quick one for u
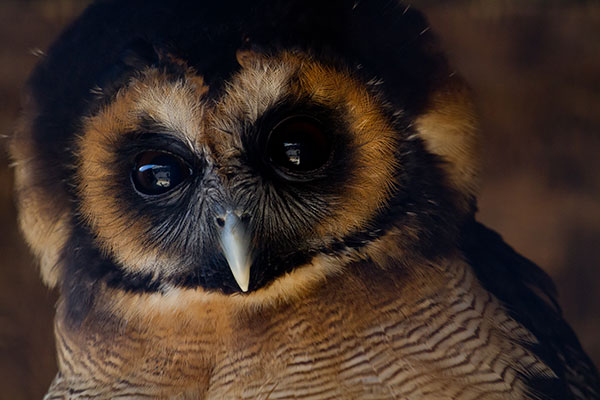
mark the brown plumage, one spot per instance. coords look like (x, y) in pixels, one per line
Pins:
(274, 200)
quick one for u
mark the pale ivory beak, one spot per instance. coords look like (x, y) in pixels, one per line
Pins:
(235, 243)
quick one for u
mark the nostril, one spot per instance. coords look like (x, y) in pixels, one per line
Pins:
(220, 221)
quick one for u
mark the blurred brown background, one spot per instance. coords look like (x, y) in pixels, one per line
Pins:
(535, 68)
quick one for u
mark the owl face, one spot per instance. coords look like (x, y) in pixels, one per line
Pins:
(230, 194)
(261, 158)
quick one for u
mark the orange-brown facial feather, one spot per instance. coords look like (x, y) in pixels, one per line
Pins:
(44, 213)
(449, 128)
(265, 81)
(373, 174)
(178, 106)
(214, 130)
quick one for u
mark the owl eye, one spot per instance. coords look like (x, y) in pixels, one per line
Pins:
(298, 144)
(157, 172)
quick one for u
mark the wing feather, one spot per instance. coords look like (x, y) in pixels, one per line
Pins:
(529, 295)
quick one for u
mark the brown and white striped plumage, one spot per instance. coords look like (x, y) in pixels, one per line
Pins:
(360, 336)
(369, 277)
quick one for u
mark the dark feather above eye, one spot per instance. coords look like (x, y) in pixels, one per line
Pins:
(135, 56)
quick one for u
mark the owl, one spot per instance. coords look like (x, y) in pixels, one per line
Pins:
(271, 200)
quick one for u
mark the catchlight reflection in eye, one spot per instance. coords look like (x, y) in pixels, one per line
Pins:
(292, 150)
(299, 144)
(157, 172)
(162, 174)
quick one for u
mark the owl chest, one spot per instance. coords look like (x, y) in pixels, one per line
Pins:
(436, 354)
(458, 343)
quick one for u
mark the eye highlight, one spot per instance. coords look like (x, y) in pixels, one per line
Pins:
(298, 145)
(157, 172)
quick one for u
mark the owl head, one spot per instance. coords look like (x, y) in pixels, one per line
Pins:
(244, 150)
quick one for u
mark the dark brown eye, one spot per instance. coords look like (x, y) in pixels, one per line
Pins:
(156, 172)
(299, 144)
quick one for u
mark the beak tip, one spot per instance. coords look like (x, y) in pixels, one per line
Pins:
(236, 248)
(242, 277)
